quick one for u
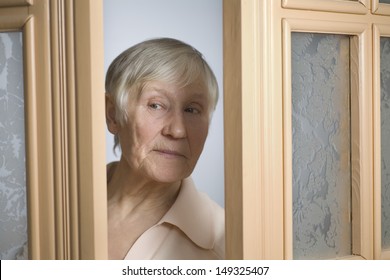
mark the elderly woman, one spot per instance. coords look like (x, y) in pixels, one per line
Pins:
(160, 96)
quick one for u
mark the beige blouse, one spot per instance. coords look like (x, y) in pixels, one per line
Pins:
(192, 229)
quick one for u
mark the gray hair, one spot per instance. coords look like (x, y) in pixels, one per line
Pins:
(162, 59)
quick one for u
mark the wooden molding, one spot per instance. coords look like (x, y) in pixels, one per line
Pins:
(380, 9)
(361, 116)
(354, 7)
(15, 3)
(233, 131)
(379, 30)
(90, 101)
(40, 183)
(253, 165)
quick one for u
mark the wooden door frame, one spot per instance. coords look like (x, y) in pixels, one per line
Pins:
(64, 101)
(253, 160)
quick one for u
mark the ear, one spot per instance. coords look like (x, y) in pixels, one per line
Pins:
(112, 123)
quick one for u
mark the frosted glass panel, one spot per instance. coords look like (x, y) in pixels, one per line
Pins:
(13, 220)
(321, 146)
(384, 1)
(385, 139)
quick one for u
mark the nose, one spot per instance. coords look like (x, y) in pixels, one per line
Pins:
(175, 126)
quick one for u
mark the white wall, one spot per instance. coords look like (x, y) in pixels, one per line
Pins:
(196, 22)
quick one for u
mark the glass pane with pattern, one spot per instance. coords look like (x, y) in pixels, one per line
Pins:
(385, 139)
(13, 213)
(321, 146)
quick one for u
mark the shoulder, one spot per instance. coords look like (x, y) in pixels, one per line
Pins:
(217, 214)
(200, 218)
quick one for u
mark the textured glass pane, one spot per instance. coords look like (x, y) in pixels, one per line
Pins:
(384, 1)
(321, 146)
(385, 139)
(13, 220)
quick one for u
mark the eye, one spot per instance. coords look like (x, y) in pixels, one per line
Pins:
(155, 106)
(192, 110)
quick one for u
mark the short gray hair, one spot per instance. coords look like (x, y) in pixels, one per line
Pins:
(162, 59)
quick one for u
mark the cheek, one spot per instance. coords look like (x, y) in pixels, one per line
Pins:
(134, 138)
(134, 147)
(144, 135)
(141, 130)
(146, 131)
(197, 136)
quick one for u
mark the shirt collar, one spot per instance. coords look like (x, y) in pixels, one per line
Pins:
(192, 214)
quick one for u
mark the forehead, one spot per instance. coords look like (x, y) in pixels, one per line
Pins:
(196, 89)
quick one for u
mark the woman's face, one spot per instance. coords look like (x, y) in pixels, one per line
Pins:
(166, 130)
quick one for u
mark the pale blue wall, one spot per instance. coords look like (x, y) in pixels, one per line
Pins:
(199, 23)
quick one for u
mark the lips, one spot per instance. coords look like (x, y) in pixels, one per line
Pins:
(169, 153)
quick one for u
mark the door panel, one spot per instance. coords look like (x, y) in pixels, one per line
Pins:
(265, 219)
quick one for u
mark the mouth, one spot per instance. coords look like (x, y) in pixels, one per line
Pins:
(169, 153)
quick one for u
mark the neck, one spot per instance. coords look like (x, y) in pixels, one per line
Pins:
(131, 195)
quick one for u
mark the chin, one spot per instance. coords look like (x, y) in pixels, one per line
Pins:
(171, 177)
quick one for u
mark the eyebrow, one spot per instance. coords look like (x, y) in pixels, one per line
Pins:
(197, 95)
(154, 88)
